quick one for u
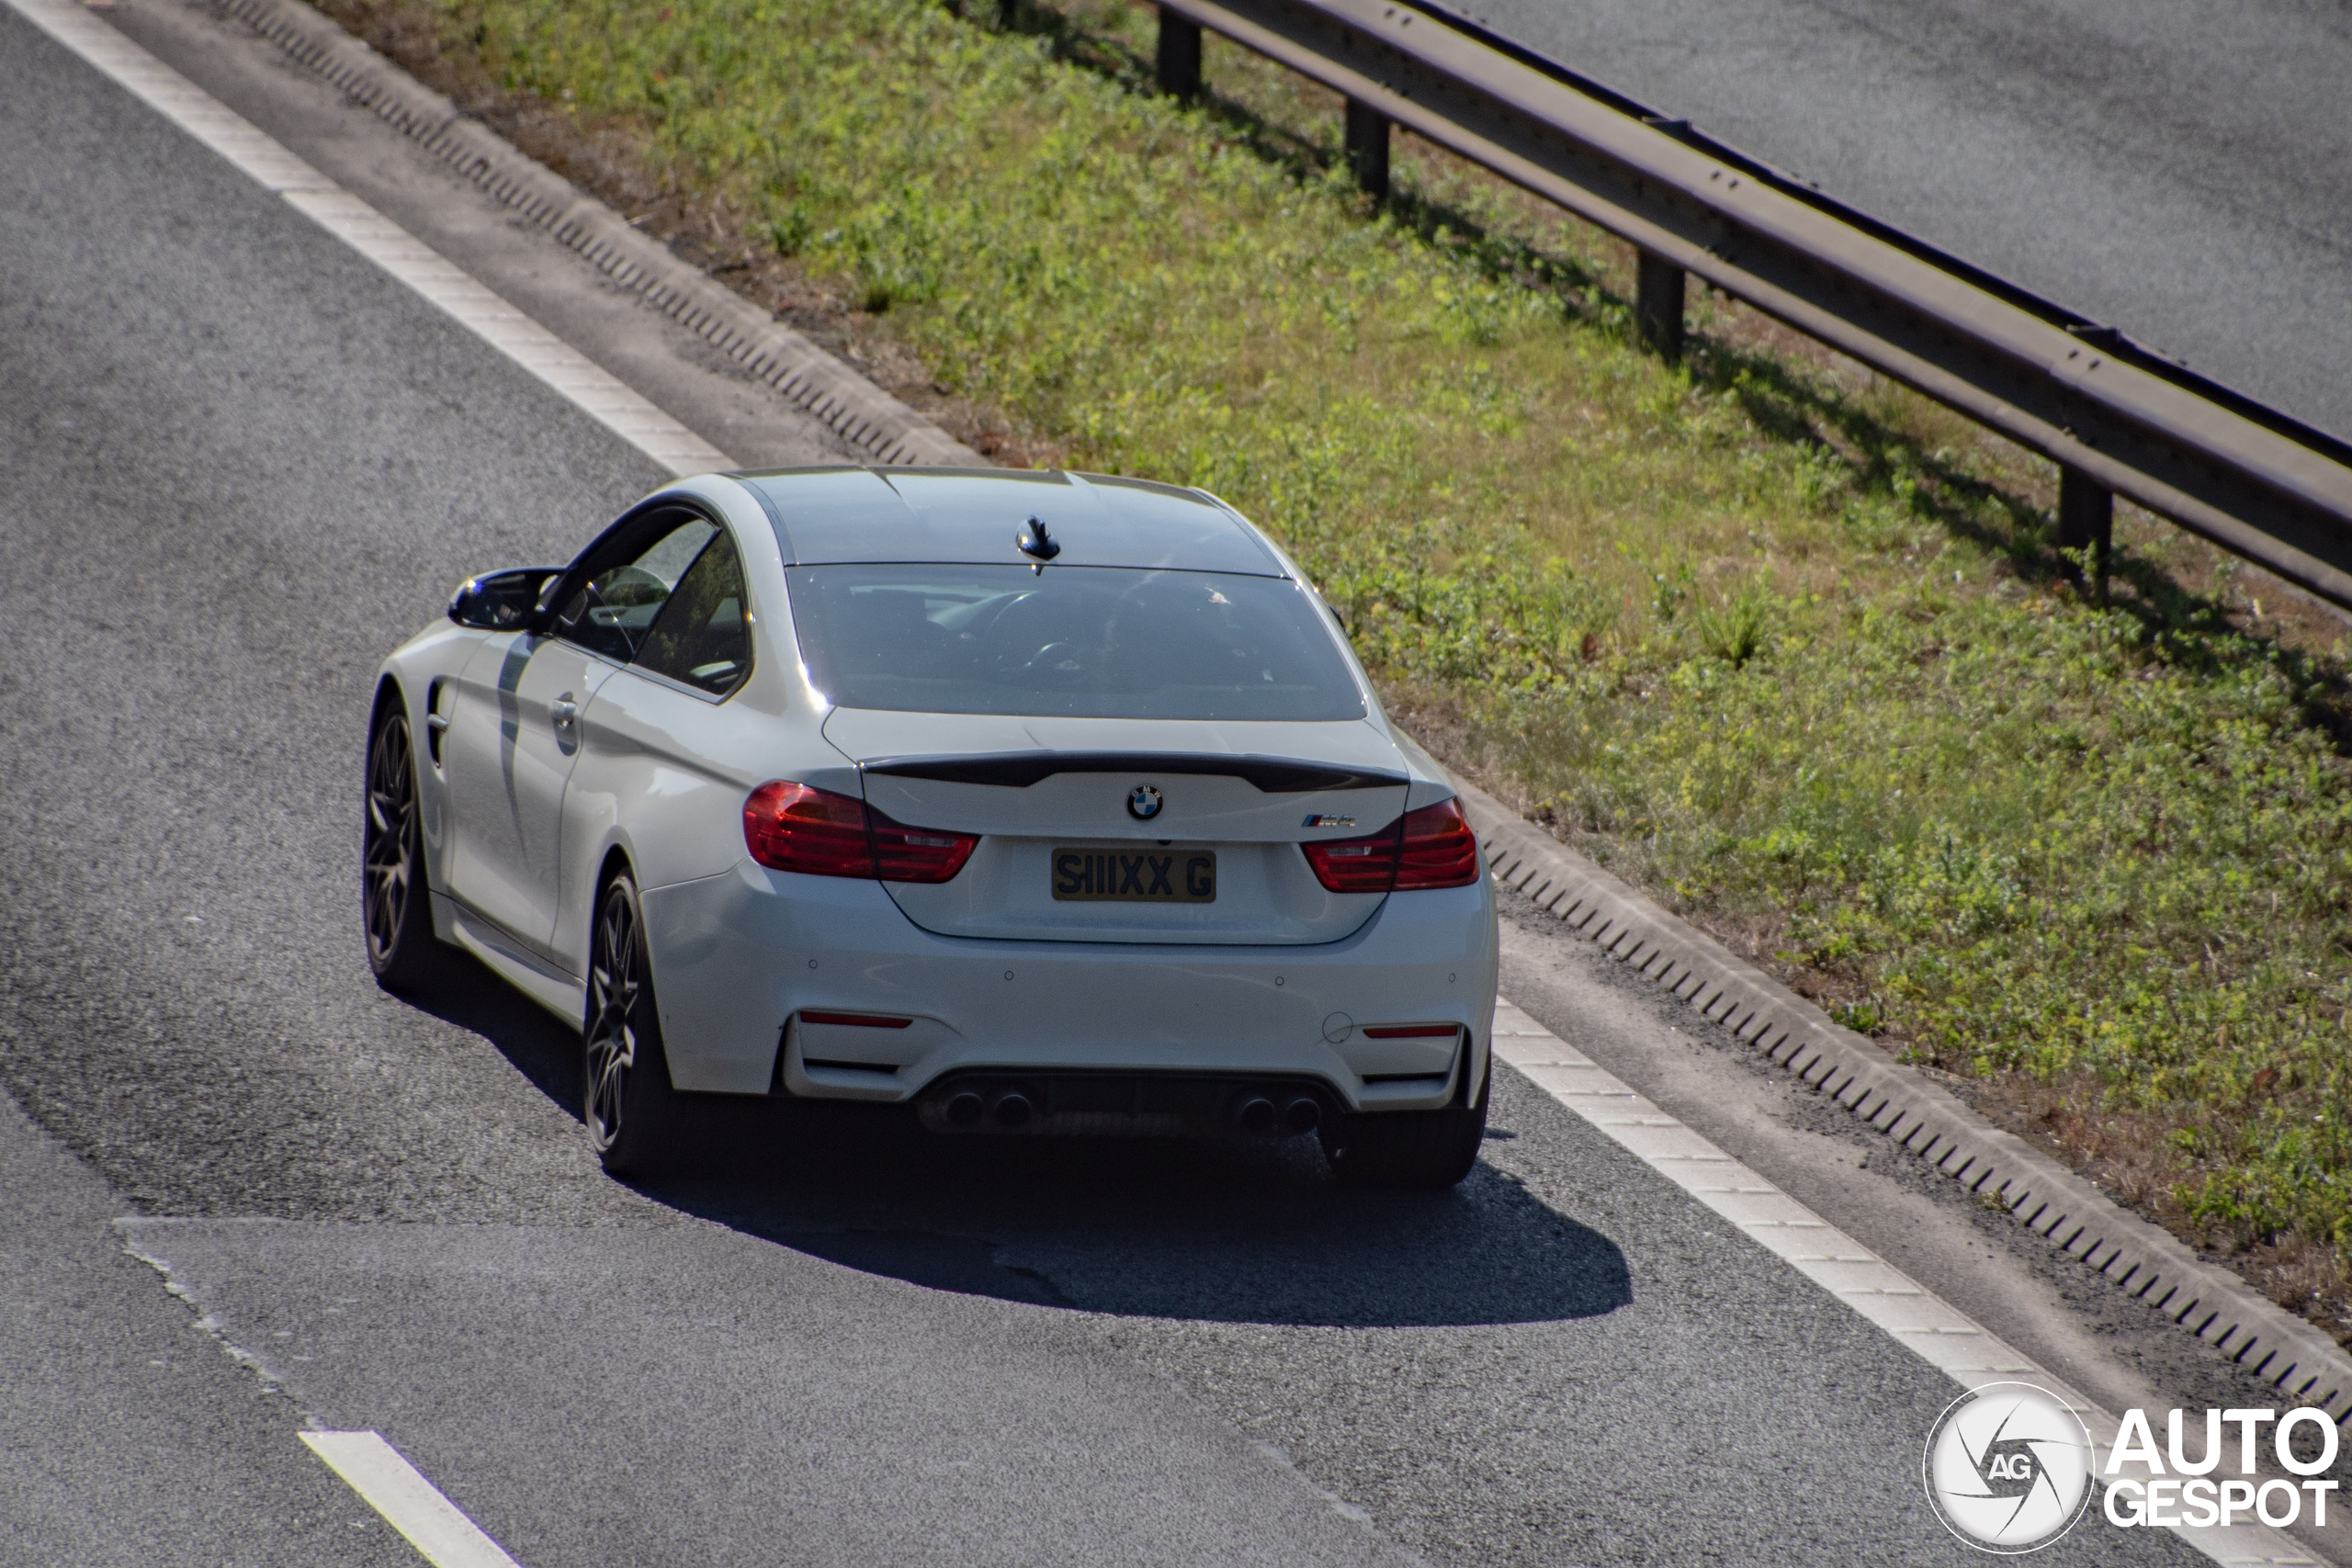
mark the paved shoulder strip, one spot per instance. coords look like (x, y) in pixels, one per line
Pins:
(409, 1504)
(365, 230)
(2141, 1258)
(1920, 1321)
(849, 404)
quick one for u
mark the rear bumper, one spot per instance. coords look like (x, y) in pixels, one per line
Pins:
(738, 957)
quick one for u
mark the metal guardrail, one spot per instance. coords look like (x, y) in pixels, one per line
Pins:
(2118, 418)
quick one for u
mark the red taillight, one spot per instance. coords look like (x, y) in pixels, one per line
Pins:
(917, 854)
(1430, 848)
(1356, 865)
(1440, 849)
(792, 827)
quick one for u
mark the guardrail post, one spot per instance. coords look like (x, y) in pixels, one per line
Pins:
(1658, 304)
(1180, 55)
(1367, 142)
(2086, 522)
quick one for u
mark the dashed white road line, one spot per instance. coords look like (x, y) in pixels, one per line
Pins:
(598, 393)
(1918, 1320)
(409, 1504)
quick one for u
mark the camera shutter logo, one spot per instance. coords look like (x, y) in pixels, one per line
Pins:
(2008, 1467)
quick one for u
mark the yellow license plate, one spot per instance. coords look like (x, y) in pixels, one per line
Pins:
(1136, 876)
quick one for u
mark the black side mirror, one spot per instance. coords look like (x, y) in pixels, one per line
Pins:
(501, 601)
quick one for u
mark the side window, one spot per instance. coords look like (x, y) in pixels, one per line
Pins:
(700, 636)
(612, 613)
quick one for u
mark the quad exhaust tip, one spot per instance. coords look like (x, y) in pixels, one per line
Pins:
(988, 1104)
(1301, 1113)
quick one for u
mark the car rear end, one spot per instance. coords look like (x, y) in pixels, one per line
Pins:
(1131, 848)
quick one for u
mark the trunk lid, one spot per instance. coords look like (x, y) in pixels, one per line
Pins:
(1050, 800)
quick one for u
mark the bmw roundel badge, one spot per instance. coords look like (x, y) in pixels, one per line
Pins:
(1142, 803)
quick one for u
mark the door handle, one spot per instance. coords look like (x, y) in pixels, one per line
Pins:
(565, 712)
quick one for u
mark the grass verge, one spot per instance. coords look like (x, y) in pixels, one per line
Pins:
(1782, 643)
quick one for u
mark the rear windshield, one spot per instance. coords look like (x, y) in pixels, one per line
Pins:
(1087, 642)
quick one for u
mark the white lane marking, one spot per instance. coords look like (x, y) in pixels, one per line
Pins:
(1916, 1319)
(409, 1504)
(588, 388)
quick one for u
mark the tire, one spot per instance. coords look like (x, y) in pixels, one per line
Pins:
(628, 1105)
(1417, 1151)
(396, 905)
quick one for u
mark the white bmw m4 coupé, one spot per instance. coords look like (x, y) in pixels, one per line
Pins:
(1036, 803)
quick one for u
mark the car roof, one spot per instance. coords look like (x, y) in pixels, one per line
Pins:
(837, 515)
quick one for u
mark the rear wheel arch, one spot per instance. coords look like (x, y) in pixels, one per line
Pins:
(583, 896)
(617, 863)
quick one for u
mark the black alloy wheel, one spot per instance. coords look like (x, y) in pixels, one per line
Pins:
(629, 1098)
(395, 902)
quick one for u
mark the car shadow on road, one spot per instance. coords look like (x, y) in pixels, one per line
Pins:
(534, 1041)
(1224, 1231)
(1218, 1230)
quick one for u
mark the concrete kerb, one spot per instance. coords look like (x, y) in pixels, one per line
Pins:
(1921, 1117)
(849, 404)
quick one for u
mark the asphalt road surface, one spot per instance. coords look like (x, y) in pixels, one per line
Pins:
(242, 464)
(2172, 167)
